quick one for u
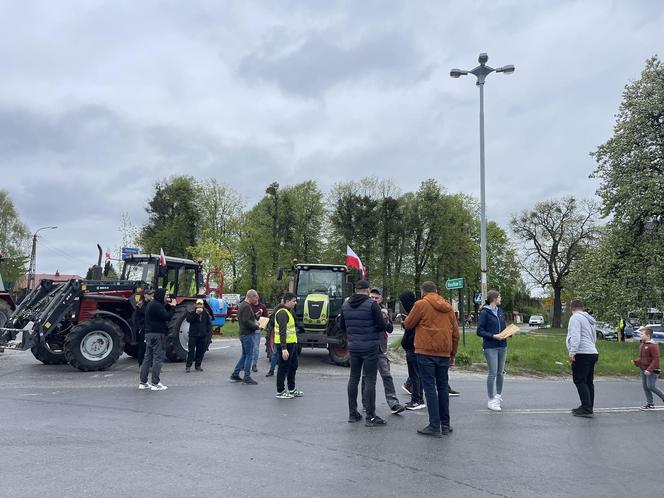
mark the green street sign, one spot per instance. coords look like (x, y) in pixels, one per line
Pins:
(455, 283)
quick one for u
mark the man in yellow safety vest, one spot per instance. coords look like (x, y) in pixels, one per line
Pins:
(285, 340)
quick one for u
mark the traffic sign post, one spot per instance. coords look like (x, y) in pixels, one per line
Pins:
(459, 283)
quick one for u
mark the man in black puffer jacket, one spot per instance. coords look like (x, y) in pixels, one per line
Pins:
(363, 321)
(157, 315)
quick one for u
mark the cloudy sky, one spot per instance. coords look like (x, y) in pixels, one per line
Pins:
(98, 100)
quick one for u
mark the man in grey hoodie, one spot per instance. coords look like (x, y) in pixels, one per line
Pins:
(583, 355)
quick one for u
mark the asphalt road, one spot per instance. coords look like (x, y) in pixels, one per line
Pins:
(68, 433)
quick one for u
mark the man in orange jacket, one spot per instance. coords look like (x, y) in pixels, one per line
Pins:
(436, 342)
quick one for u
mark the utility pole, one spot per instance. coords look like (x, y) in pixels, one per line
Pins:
(33, 257)
(481, 72)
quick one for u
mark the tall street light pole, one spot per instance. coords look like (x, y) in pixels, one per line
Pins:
(33, 256)
(481, 72)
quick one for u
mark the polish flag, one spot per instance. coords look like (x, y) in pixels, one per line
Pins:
(353, 261)
(162, 257)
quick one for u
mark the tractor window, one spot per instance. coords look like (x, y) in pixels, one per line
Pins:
(320, 282)
(143, 271)
(188, 285)
(169, 281)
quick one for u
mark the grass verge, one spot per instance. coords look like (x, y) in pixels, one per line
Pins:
(544, 353)
(230, 329)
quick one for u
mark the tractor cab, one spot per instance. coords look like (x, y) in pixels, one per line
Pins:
(182, 278)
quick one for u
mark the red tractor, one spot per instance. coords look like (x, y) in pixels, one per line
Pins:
(89, 323)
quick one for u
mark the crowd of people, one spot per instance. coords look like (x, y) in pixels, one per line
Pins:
(430, 341)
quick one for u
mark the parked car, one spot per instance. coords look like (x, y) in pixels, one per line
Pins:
(536, 321)
(657, 333)
(605, 331)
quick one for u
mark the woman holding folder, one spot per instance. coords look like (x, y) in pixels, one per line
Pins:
(490, 324)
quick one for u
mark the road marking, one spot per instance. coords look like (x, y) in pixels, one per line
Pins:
(31, 394)
(220, 347)
(554, 411)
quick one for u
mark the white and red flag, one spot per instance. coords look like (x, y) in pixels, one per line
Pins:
(162, 257)
(108, 254)
(353, 261)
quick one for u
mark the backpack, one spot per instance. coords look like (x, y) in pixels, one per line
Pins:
(269, 327)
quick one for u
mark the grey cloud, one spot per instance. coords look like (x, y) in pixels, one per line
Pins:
(322, 61)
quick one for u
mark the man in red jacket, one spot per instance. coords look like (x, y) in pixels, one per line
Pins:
(436, 342)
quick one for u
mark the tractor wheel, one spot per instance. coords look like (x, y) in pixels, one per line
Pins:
(339, 354)
(5, 313)
(94, 345)
(131, 350)
(177, 342)
(49, 352)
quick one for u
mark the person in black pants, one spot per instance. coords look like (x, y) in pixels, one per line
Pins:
(363, 321)
(583, 356)
(199, 331)
(408, 344)
(139, 324)
(285, 340)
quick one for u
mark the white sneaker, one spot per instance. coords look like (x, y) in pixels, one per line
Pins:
(144, 385)
(493, 405)
(158, 387)
(499, 400)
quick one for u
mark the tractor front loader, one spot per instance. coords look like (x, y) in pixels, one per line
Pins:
(89, 323)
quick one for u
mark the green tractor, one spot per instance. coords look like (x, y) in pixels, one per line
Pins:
(321, 290)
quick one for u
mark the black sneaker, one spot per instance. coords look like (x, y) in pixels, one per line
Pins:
(270, 373)
(254, 369)
(452, 393)
(236, 378)
(396, 409)
(407, 387)
(199, 369)
(582, 413)
(446, 429)
(430, 431)
(374, 421)
(648, 406)
(354, 417)
(249, 381)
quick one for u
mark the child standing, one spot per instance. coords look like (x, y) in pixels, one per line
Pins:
(648, 362)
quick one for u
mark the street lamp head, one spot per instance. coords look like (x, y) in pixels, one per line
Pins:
(509, 69)
(483, 58)
(456, 73)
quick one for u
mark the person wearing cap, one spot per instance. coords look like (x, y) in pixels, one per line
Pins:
(383, 360)
(200, 326)
(365, 325)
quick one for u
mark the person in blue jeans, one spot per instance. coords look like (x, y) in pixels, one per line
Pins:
(436, 343)
(490, 323)
(260, 310)
(248, 325)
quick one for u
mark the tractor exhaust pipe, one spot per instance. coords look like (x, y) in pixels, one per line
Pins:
(96, 269)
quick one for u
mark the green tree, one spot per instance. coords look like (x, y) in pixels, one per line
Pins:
(554, 235)
(173, 217)
(220, 223)
(303, 221)
(623, 273)
(14, 241)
